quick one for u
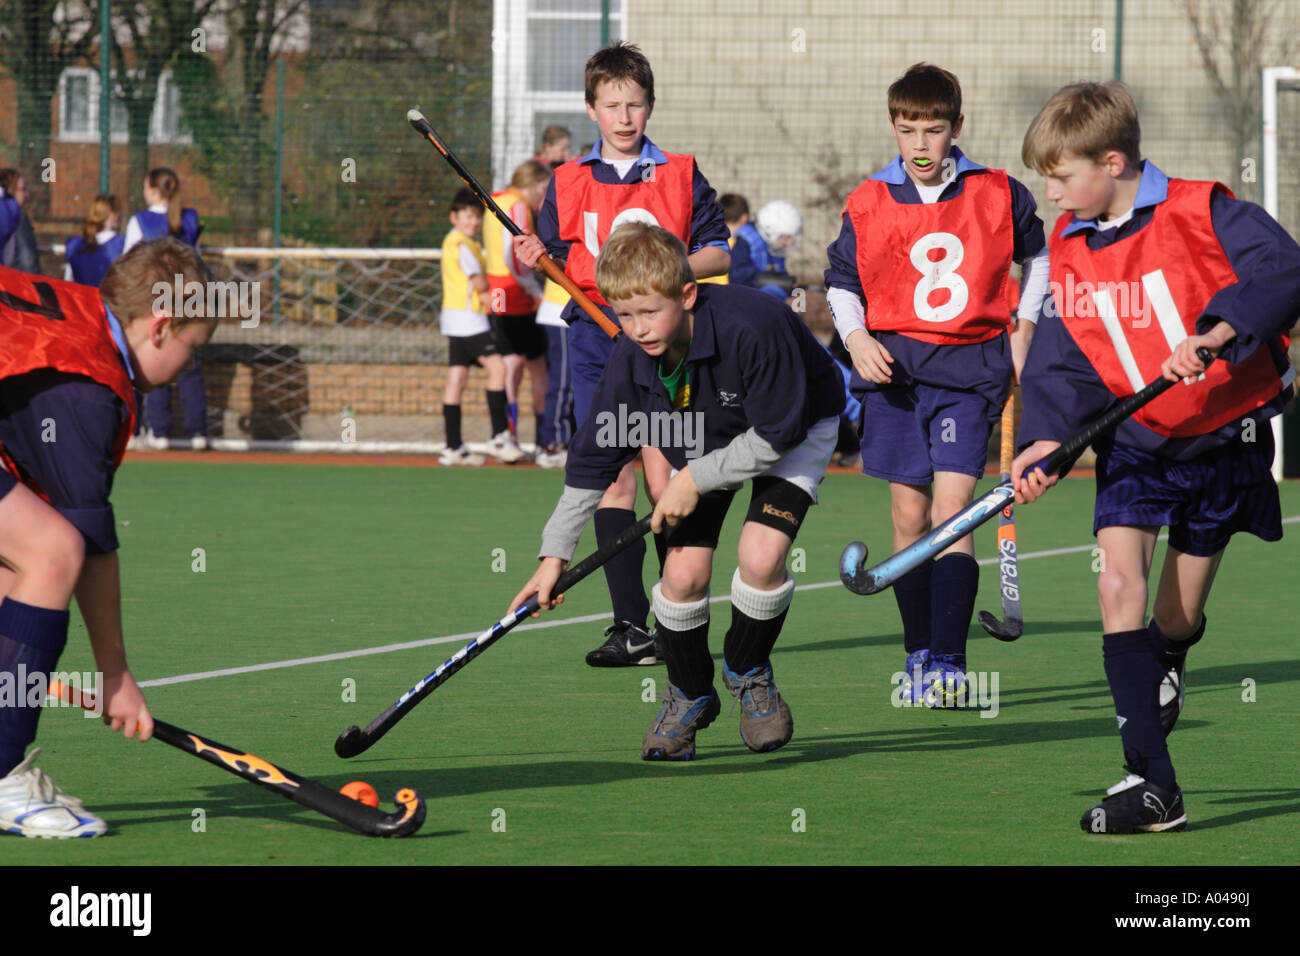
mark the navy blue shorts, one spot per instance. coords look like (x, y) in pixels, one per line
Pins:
(1203, 502)
(911, 432)
(589, 350)
(7, 482)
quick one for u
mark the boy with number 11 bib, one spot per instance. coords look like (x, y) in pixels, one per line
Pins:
(918, 286)
(1146, 270)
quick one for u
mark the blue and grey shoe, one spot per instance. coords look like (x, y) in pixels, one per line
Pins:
(672, 735)
(912, 683)
(945, 683)
(765, 721)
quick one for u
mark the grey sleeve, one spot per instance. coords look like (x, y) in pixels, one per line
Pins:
(743, 457)
(571, 514)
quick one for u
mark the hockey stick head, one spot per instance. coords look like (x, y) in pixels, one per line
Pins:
(408, 818)
(853, 570)
(1008, 630)
(351, 742)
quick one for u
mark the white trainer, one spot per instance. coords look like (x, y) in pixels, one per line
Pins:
(553, 457)
(32, 805)
(504, 448)
(460, 456)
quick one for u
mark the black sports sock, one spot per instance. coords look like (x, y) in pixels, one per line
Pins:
(912, 592)
(1171, 652)
(953, 586)
(451, 418)
(1134, 675)
(31, 640)
(686, 654)
(500, 418)
(623, 571)
(682, 642)
(749, 642)
(537, 429)
(756, 620)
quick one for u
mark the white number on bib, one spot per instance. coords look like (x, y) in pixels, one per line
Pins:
(939, 274)
(590, 234)
(1162, 304)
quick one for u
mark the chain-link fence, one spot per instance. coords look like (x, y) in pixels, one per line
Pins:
(286, 123)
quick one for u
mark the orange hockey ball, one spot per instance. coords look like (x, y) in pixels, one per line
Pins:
(362, 791)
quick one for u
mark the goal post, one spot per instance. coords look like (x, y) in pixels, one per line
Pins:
(1277, 80)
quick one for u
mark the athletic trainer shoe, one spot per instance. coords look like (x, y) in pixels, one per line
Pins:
(461, 455)
(672, 735)
(31, 805)
(1134, 805)
(504, 448)
(552, 456)
(626, 645)
(912, 684)
(765, 721)
(1172, 691)
(945, 683)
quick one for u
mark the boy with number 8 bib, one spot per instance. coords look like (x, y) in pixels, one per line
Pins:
(737, 388)
(918, 284)
(1145, 271)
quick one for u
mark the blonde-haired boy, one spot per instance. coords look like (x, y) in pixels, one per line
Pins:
(730, 385)
(1146, 270)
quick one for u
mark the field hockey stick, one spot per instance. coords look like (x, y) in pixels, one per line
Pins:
(1012, 624)
(862, 580)
(315, 796)
(354, 740)
(422, 126)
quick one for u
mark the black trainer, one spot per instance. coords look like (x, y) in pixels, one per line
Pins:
(1135, 805)
(626, 645)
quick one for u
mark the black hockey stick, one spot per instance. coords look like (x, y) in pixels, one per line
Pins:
(1012, 624)
(549, 266)
(863, 580)
(354, 740)
(303, 790)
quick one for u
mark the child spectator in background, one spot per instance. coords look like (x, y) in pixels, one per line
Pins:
(514, 292)
(94, 249)
(556, 148)
(18, 251)
(464, 321)
(167, 217)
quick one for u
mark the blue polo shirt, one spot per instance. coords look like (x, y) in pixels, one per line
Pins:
(89, 265)
(9, 213)
(1062, 391)
(752, 364)
(708, 225)
(984, 367)
(153, 225)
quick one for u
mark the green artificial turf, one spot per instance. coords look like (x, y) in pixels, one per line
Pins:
(528, 756)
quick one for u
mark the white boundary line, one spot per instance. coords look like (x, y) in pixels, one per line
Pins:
(467, 636)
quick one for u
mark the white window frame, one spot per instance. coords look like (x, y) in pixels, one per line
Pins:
(514, 105)
(157, 135)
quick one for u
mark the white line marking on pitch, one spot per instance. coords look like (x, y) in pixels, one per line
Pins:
(467, 636)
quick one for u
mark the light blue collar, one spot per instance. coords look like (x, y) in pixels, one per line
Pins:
(119, 339)
(650, 153)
